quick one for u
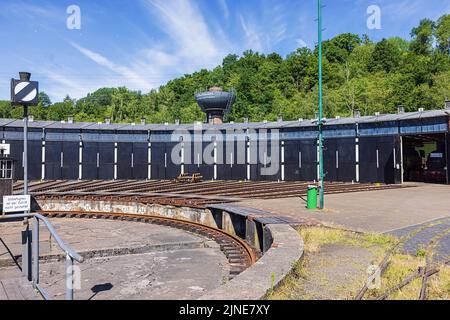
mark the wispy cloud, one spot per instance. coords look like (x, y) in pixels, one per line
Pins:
(402, 9)
(224, 6)
(60, 84)
(301, 43)
(184, 24)
(266, 28)
(253, 39)
(27, 10)
(193, 45)
(127, 73)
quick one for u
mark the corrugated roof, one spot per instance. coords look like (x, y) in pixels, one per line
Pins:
(69, 126)
(252, 125)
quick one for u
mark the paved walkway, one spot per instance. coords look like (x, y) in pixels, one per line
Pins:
(420, 236)
(375, 211)
(422, 211)
(15, 286)
(125, 260)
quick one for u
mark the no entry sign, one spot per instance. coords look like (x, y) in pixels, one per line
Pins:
(24, 92)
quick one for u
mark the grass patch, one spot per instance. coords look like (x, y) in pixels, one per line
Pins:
(315, 237)
(290, 289)
(400, 267)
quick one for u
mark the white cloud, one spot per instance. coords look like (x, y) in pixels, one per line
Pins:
(301, 43)
(191, 37)
(224, 6)
(252, 35)
(130, 75)
(62, 84)
(193, 46)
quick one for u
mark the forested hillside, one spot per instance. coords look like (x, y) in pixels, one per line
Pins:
(358, 74)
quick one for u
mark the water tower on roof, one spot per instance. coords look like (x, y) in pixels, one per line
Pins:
(216, 103)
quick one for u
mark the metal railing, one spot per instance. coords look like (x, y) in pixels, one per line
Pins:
(71, 255)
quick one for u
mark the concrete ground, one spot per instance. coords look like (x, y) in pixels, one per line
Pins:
(167, 263)
(374, 211)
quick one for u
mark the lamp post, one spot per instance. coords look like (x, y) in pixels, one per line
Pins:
(320, 119)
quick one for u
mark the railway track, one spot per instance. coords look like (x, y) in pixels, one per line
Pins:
(239, 253)
(431, 267)
(230, 189)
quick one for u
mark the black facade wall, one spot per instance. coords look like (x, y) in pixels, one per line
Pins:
(89, 161)
(232, 167)
(34, 158)
(330, 147)
(386, 171)
(304, 169)
(53, 150)
(448, 155)
(268, 167)
(140, 157)
(157, 161)
(388, 146)
(124, 154)
(16, 152)
(206, 170)
(106, 160)
(71, 158)
(191, 158)
(162, 165)
(340, 159)
(173, 169)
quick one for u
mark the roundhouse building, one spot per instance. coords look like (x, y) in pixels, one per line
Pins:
(387, 149)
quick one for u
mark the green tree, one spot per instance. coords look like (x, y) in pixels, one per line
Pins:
(442, 33)
(385, 57)
(422, 42)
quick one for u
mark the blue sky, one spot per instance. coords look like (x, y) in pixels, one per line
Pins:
(142, 44)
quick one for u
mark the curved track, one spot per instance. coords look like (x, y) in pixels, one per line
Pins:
(239, 254)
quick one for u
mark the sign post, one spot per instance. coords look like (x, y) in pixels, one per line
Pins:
(25, 93)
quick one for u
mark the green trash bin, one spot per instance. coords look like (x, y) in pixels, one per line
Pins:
(312, 198)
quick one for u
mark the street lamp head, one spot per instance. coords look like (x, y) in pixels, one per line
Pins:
(24, 76)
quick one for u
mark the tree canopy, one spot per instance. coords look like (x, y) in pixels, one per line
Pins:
(358, 74)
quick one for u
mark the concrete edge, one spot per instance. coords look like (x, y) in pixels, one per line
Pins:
(280, 243)
(255, 282)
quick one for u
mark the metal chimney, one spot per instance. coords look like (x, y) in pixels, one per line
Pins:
(356, 113)
(447, 104)
(70, 120)
(143, 121)
(108, 120)
(401, 109)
